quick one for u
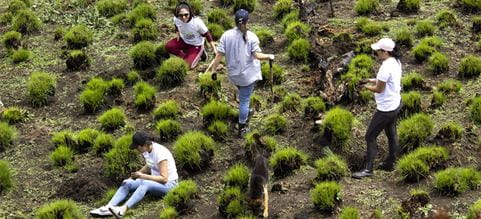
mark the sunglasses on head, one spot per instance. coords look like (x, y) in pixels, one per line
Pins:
(184, 15)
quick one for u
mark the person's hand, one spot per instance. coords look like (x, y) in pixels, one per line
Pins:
(271, 56)
(136, 175)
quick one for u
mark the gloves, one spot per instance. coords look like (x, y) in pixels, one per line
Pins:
(271, 56)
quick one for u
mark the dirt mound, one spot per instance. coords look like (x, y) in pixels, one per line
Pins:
(86, 186)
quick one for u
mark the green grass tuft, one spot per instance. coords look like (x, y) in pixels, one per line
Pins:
(172, 72)
(40, 86)
(78, 37)
(59, 209)
(6, 176)
(237, 176)
(62, 156)
(454, 181)
(180, 196)
(325, 196)
(337, 125)
(167, 110)
(168, 129)
(275, 123)
(193, 150)
(112, 119)
(286, 160)
(414, 130)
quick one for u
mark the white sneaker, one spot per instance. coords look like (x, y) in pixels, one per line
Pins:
(118, 211)
(102, 211)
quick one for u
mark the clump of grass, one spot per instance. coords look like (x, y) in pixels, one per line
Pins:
(109, 8)
(286, 160)
(331, 167)
(470, 5)
(476, 27)
(269, 144)
(366, 7)
(112, 119)
(337, 125)
(299, 50)
(143, 55)
(411, 81)
(219, 16)
(416, 165)
(144, 95)
(216, 30)
(349, 213)
(297, 30)
(40, 86)
(6, 176)
(209, 88)
(133, 77)
(167, 110)
(433, 41)
(438, 98)
(65, 137)
(59, 209)
(289, 18)
(454, 181)
(167, 129)
(249, 5)
(475, 110)
(256, 102)
(414, 130)
(77, 60)
(409, 6)
(277, 74)
(218, 129)
(194, 150)
(450, 130)
(62, 156)
(360, 67)
(425, 28)
(237, 176)
(438, 63)
(120, 161)
(85, 139)
(115, 86)
(172, 72)
(411, 103)
(144, 29)
(59, 33)
(470, 66)
(168, 213)
(404, 37)
(445, 18)
(161, 53)
(279, 92)
(78, 37)
(281, 8)
(25, 22)
(16, 5)
(92, 100)
(365, 96)
(20, 55)
(312, 106)
(450, 86)
(326, 195)
(275, 123)
(290, 102)
(103, 143)
(474, 210)
(180, 196)
(141, 11)
(13, 115)
(265, 35)
(228, 196)
(217, 111)
(369, 27)
(422, 52)
(12, 39)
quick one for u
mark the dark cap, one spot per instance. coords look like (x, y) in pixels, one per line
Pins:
(139, 139)
(241, 16)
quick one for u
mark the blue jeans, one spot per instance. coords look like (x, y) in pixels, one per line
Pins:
(140, 187)
(245, 93)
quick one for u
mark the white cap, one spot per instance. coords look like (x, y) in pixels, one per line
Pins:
(385, 44)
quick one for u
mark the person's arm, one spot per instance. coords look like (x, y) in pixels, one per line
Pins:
(378, 87)
(145, 169)
(163, 170)
(210, 40)
(216, 62)
(263, 56)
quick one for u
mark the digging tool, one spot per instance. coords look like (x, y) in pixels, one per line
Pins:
(272, 81)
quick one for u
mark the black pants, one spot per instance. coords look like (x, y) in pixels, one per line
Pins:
(382, 121)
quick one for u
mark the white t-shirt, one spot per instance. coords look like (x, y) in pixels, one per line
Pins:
(160, 153)
(192, 31)
(389, 72)
(244, 69)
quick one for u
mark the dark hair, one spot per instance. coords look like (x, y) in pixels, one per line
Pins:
(139, 139)
(395, 53)
(184, 5)
(243, 28)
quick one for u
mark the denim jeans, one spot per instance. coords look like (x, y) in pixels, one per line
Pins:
(245, 93)
(140, 188)
(382, 121)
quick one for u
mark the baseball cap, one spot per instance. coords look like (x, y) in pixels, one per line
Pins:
(241, 16)
(385, 44)
(139, 139)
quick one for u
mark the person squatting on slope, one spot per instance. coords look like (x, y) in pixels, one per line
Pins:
(387, 88)
(157, 177)
(191, 30)
(242, 53)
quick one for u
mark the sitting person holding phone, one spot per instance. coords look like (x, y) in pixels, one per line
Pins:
(157, 177)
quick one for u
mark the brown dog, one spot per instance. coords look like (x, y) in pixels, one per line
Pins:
(258, 194)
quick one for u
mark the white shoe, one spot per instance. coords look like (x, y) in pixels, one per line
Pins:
(118, 211)
(102, 211)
